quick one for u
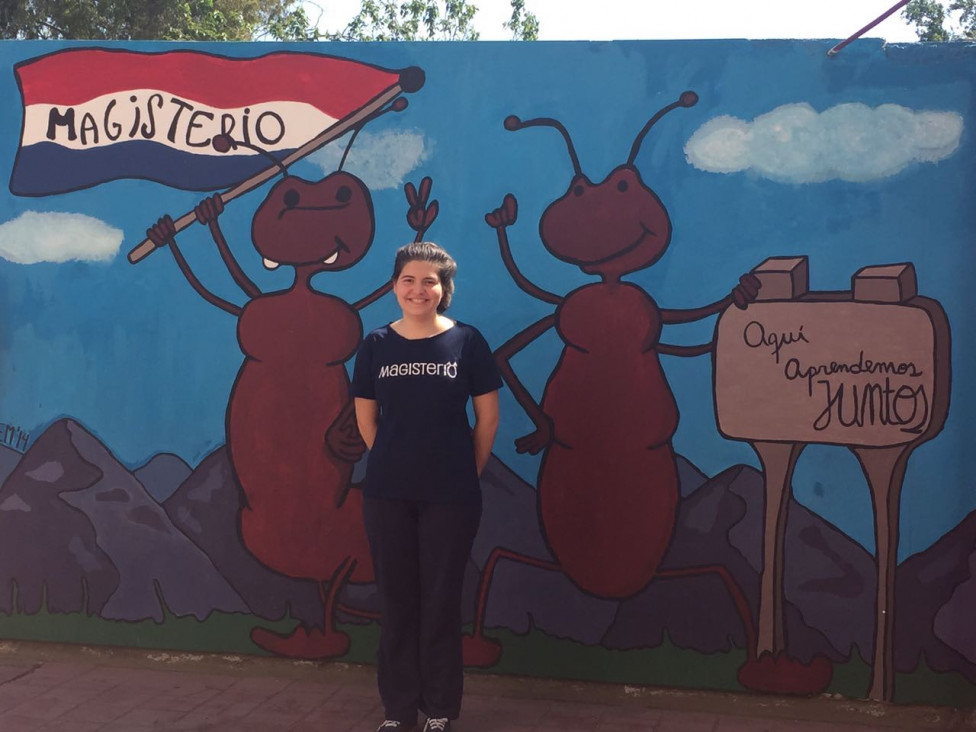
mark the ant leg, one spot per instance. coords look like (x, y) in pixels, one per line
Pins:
(329, 599)
(735, 592)
(356, 612)
(312, 643)
(479, 650)
(778, 674)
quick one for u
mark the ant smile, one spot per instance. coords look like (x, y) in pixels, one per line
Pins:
(340, 247)
(331, 259)
(626, 249)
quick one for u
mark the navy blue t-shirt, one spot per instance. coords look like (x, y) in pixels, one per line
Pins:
(423, 448)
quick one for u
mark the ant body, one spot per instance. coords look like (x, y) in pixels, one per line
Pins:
(608, 482)
(300, 517)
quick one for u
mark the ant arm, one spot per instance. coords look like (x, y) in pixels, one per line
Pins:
(742, 294)
(342, 438)
(163, 233)
(420, 215)
(543, 435)
(500, 219)
(686, 351)
(521, 280)
(420, 232)
(373, 296)
(242, 280)
(207, 212)
(673, 317)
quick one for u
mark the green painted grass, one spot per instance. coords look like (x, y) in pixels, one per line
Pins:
(539, 654)
(532, 654)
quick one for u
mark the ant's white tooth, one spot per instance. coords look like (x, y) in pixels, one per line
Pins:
(270, 264)
(333, 258)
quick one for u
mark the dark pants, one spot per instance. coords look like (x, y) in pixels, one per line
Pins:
(420, 551)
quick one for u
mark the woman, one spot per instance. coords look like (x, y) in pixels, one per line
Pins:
(422, 499)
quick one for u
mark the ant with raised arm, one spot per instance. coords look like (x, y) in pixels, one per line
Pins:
(608, 481)
(291, 430)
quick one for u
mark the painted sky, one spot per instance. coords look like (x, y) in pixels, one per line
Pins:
(140, 359)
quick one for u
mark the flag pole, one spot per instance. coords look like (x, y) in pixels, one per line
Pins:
(836, 49)
(337, 129)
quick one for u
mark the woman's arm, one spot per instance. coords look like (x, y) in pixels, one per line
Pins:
(367, 417)
(485, 427)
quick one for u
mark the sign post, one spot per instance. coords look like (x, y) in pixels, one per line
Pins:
(867, 369)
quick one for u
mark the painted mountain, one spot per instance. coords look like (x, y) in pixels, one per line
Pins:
(81, 533)
(205, 508)
(162, 475)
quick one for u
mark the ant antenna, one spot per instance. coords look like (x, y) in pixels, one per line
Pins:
(224, 142)
(687, 99)
(342, 160)
(513, 123)
(398, 105)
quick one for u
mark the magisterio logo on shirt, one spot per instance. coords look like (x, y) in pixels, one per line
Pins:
(449, 369)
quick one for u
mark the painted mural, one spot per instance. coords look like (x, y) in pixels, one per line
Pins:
(721, 278)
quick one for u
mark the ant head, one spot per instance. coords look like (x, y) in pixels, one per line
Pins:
(613, 227)
(328, 224)
(609, 228)
(322, 225)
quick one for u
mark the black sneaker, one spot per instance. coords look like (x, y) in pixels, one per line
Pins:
(391, 725)
(438, 724)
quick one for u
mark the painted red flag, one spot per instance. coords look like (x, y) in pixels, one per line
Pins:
(93, 115)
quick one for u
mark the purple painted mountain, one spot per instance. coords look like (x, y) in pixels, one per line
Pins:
(206, 508)
(80, 532)
(935, 601)
(829, 582)
(48, 550)
(78, 525)
(162, 475)
(523, 597)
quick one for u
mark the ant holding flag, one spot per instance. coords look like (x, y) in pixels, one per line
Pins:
(300, 517)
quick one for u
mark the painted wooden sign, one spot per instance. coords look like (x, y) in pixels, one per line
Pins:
(867, 369)
(856, 368)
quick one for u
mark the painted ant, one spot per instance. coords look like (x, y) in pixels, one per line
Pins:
(291, 430)
(608, 482)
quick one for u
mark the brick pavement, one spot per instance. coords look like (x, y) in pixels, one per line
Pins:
(48, 688)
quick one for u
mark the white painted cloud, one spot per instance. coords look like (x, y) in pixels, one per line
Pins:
(852, 142)
(57, 237)
(381, 161)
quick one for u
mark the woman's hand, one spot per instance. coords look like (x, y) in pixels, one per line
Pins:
(367, 417)
(485, 427)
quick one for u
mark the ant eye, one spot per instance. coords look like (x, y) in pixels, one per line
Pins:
(622, 186)
(291, 198)
(343, 194)
(578, 191)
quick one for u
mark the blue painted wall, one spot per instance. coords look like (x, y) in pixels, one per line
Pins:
(134, 355)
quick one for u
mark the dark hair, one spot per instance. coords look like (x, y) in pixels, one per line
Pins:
(427, 251)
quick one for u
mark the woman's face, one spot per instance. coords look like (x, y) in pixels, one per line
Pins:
(418, 289)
